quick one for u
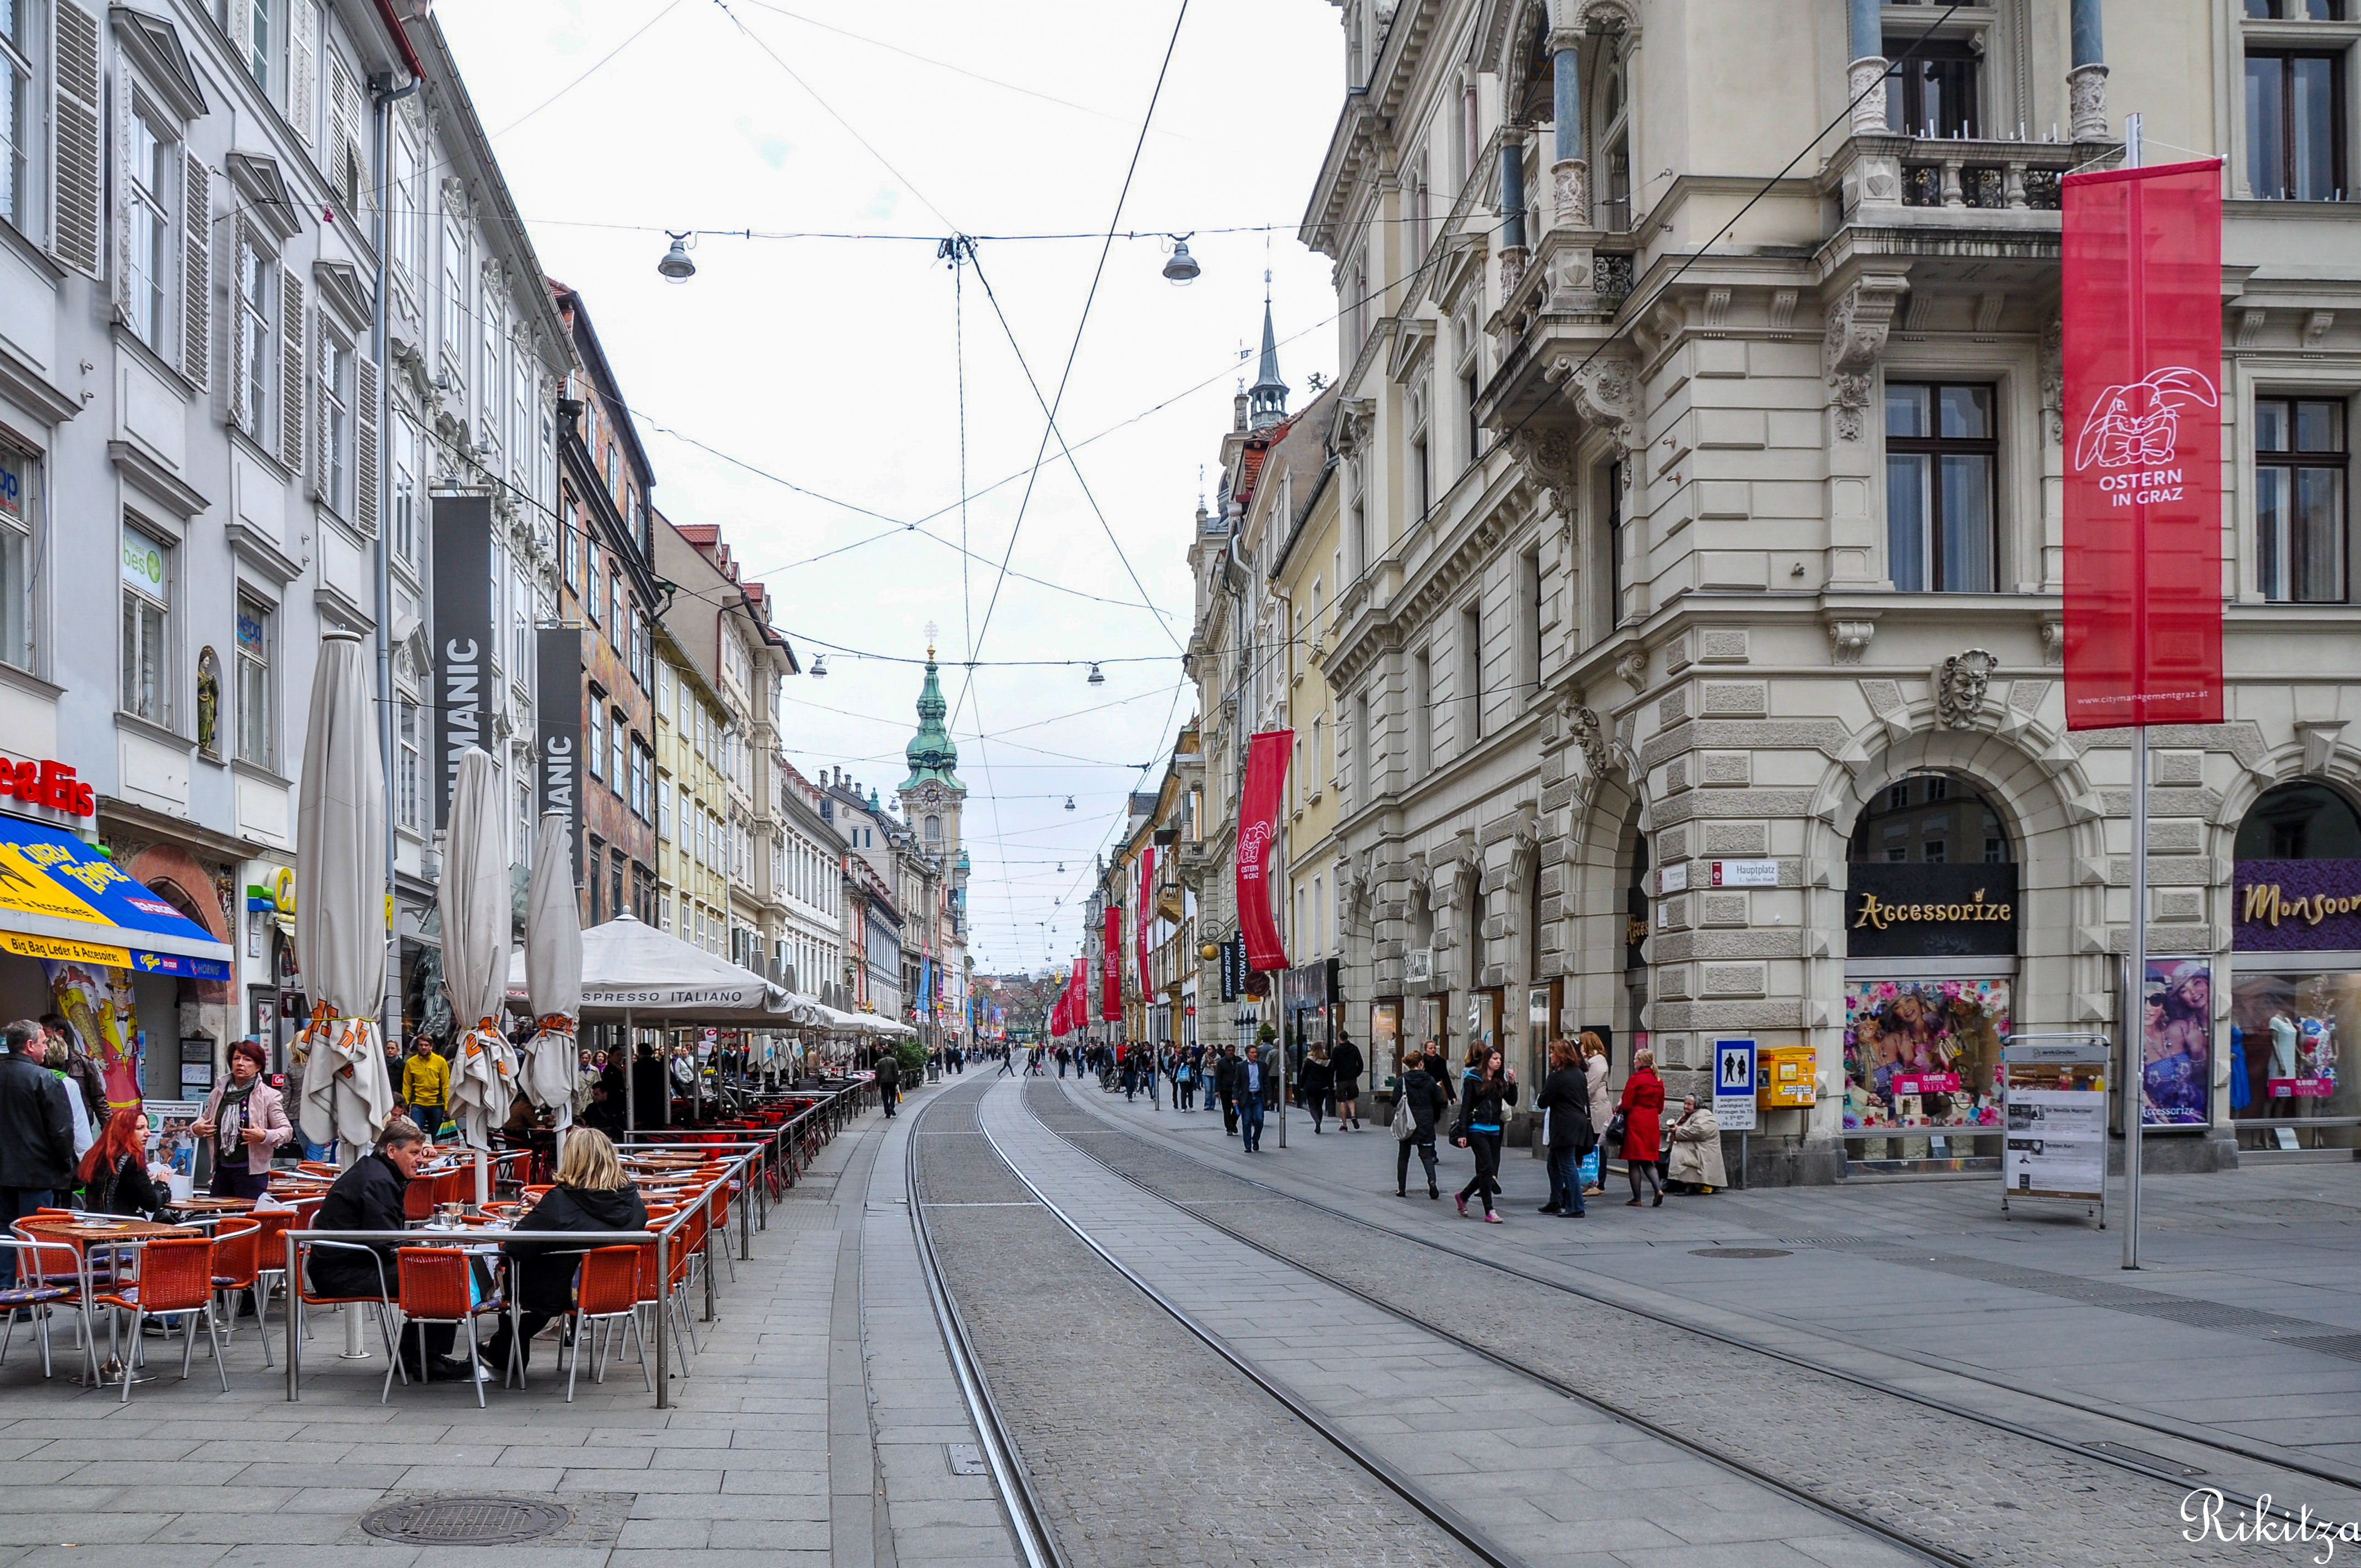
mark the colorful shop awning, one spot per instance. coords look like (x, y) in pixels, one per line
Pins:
(60, 898)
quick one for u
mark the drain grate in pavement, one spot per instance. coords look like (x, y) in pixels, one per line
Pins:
(466, 1521)
(1740, 1252)
(2142, 1456)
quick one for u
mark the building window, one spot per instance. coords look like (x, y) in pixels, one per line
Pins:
(407, 769)
(1933, 91)
(254, 726)
(615, 631)
(569, 545)
(335, 424)
(147, 174)
(1471, 677)
(407, 447)
(2295, 125)
(2296, 10)
(615, 882)
(19, 111)
(618, 738)
(598, 748)
(1612, 201)
(1940, 459)
(249, 398)
(20, 505)
(454, 289)
(664, 809)
(2299, 463)
(146, 594)
(403, 218)
(643, 769)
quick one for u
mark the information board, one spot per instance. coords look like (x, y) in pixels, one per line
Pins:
(2054, 1103)
(1733, 1085)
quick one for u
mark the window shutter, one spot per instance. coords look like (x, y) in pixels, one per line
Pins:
(197, 271)
(290, 370)
(75, 100)
(303, 66)
(317, 452)
(365, 479)
(345, 171)
(233, 331)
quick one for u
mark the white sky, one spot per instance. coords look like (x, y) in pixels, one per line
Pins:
(831, 363)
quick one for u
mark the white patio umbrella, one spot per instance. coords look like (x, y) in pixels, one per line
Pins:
(474, 904)
(553, 971)
(340, 905)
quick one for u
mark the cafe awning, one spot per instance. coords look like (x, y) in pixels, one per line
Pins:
(60, 898)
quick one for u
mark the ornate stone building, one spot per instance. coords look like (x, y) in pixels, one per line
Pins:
(1700, 438)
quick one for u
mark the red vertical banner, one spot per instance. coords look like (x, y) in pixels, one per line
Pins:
(1058, 1015)
(1144, 911)
(1258, 844)
(2142, 310)
(1110, 965)
(1078, 993)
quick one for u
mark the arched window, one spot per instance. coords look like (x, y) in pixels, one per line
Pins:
(934, 830)
(2306, 821)
(1930, 819)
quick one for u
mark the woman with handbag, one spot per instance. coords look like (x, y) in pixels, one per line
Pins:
(1602, 1111)
(1564, 1102)
(1483, 1101)
(1641, 1115)
(1312, 1083)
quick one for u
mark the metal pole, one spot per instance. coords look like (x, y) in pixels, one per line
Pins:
(664, 1321)
(630, 1111)
(1278, 993)
(2135, 1097)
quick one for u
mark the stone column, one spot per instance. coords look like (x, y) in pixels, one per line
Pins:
(1513, 251)
(1866, 28)
(2086, 83)
(1569, 174)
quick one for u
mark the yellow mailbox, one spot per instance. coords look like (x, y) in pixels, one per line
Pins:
(1786, 1076)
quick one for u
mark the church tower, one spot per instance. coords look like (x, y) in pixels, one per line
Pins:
(932, 796)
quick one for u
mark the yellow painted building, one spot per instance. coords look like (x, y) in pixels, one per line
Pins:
(692, 802)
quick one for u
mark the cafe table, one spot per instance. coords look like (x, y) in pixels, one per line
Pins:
(117, 1238)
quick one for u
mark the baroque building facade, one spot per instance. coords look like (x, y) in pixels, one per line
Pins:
(1700, 460)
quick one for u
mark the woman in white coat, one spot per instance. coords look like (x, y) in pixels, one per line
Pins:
(1603, 1104)
(1696, 1142)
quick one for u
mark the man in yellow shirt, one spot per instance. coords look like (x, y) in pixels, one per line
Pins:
(426, 1085)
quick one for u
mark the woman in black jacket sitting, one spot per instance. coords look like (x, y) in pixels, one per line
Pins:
(592, 1194)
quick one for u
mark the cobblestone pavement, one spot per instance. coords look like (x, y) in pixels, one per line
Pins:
(1143, 1445)
(1953, 1483)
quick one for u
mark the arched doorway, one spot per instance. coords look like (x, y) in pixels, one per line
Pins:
(1931, 933)
(2295, 993)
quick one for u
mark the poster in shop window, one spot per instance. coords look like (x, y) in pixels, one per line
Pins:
(2176, 1035)
(1923, 1053)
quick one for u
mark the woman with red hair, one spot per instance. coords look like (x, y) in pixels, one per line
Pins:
(114, 1172)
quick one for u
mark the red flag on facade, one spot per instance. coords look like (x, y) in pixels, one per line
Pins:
(1258, 846)
(1145, 908)
(1110, 965)
(2142, 311)
(1078, 994)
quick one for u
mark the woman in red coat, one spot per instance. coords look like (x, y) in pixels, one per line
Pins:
(1642, 1108)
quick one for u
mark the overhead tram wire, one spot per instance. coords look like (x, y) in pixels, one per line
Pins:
(598, 65)
(1074, 348)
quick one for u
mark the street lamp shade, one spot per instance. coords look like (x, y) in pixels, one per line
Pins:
(820, 668)
(1097, 678)
(676, 265)
(1180, 266)
(1070, 803)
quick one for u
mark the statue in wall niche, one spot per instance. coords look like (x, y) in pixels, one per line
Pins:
(209, 704)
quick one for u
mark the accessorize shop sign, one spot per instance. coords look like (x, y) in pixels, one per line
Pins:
(2284, 906)
(1911, 911)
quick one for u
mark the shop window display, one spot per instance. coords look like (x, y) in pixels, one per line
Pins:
(1923, 1053)
(2176, 1081)
(2285, 1034)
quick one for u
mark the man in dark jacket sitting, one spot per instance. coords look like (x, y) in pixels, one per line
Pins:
(369, 1197)
(36, 1152)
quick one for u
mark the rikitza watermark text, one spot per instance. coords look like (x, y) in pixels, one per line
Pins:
(2210, 1516)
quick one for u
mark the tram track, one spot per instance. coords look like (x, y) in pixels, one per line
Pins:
(1886, 1517)
(1050, 1495)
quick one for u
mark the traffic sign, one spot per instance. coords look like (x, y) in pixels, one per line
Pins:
(1733, 1085)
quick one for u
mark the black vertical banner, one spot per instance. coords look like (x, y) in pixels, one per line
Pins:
(462, 637)
(558, 724)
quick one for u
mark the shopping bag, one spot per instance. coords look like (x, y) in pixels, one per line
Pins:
(1591, 1168)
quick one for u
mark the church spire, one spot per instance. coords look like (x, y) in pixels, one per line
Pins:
(932, 754)
(1267, 398)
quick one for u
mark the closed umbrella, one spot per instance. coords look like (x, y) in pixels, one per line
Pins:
(340, 905)
(476, 906)
(553, 970)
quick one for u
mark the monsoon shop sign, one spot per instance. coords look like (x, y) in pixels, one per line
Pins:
(2279, 906)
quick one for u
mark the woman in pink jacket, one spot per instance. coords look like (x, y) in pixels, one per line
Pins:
(247, 1121)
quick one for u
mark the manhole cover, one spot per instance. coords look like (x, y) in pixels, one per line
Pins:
(1739, 1251)
(466, 1521)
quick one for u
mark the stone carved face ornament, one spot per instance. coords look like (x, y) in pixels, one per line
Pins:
(1583, 723)
(1960, 688)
